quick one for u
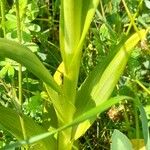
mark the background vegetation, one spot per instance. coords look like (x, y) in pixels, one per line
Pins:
(40, 33)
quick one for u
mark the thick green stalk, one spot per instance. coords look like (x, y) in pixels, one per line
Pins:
(69, 87)
(70, 32)
(75, 19)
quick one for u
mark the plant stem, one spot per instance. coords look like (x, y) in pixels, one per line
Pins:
(3, 16)
(102, 11)
(18, 22)
(126, 119)
(136, 122)
(130, 16)
(142, 86)
(134, 16)
(19, 34)
(69, 89)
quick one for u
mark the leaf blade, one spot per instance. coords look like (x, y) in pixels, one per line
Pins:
(97, 90)
(23, 55)
(120, 141)
(106, 75)
(145, 127)
(85, 116)
(9, 119)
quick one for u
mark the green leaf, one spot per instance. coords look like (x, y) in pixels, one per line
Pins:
(147, 3)
(23, 55)
(11, 71)
(32, 11)
(74, 24)
(85, 116)
(11, 17)
(70, 28)
(11, 22)
(75, 19)
(22, 7)
(145, 127)
(88, 11)
(115, 5)
(98, 87)
(10, 120)
(34, 104)
(106, 74)
(120, 141)
(32, 46)
(3, 72)
(34, 27)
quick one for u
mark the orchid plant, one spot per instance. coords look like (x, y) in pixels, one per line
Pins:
(75, 107)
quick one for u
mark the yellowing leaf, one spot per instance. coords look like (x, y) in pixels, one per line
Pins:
(58, 76)
(138, 144)
(82, 129)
